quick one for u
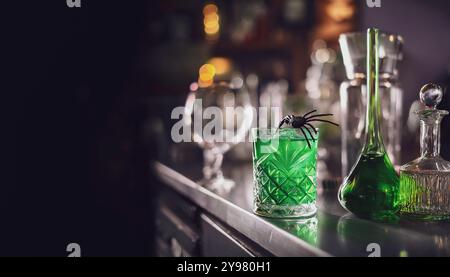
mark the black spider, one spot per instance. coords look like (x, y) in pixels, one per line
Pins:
(303, 123)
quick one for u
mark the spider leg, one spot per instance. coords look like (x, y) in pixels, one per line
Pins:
(310, 113)
(284, 121)
(281, 124)
(322, 120)
(309, 132)
(317, 115)
(309, 144)
(312, 127)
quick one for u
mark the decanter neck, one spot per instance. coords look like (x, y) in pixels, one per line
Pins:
(374, 141)
(430, 133)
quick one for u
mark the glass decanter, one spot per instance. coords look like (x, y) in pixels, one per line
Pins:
(371, 189)
(425, 182)
(353, 96)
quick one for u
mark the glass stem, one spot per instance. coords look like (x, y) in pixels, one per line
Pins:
(430, 132)
(374, 142)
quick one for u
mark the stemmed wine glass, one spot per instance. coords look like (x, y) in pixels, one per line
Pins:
(219, 116)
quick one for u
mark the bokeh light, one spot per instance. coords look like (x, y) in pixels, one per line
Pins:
(193, 86)
(211, 20)
(206, 75)
(210, 9)
(340, 10)
(222, 65)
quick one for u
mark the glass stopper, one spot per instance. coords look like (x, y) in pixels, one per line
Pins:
(431, 95)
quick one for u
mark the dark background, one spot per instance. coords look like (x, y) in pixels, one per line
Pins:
(81, 167)
(90, 97)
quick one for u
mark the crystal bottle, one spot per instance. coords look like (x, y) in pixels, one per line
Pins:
(371, 189)
(425, 182)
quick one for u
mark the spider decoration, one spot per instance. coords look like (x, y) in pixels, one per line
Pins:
(303, 123)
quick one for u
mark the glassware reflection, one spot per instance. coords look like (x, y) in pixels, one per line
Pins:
(357, 236)
(305, 229)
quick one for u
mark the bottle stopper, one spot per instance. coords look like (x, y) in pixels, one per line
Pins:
(431, 95)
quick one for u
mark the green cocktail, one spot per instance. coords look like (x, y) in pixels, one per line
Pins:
(284, 171)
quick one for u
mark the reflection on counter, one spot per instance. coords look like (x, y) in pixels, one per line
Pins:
(306, 229)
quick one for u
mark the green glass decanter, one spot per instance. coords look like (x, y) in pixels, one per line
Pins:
(371, 189)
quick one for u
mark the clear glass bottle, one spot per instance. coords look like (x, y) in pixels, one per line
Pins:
(353, 96)
(425, 182)
(371, 189)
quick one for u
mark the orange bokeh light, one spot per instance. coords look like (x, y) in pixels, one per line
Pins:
(222, 65)
(204, 84)
(207, 72)
(211, 20)
(212, 30)
(340, 10)
(210, 9)
(206, 75)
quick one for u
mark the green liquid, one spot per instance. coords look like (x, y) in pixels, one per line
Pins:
(371, 190)
(424, 196)
(284, 169)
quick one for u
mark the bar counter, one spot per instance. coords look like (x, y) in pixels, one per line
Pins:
(193, 221)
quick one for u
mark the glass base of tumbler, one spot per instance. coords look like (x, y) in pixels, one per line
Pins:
(219, 185)
(283, 211)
